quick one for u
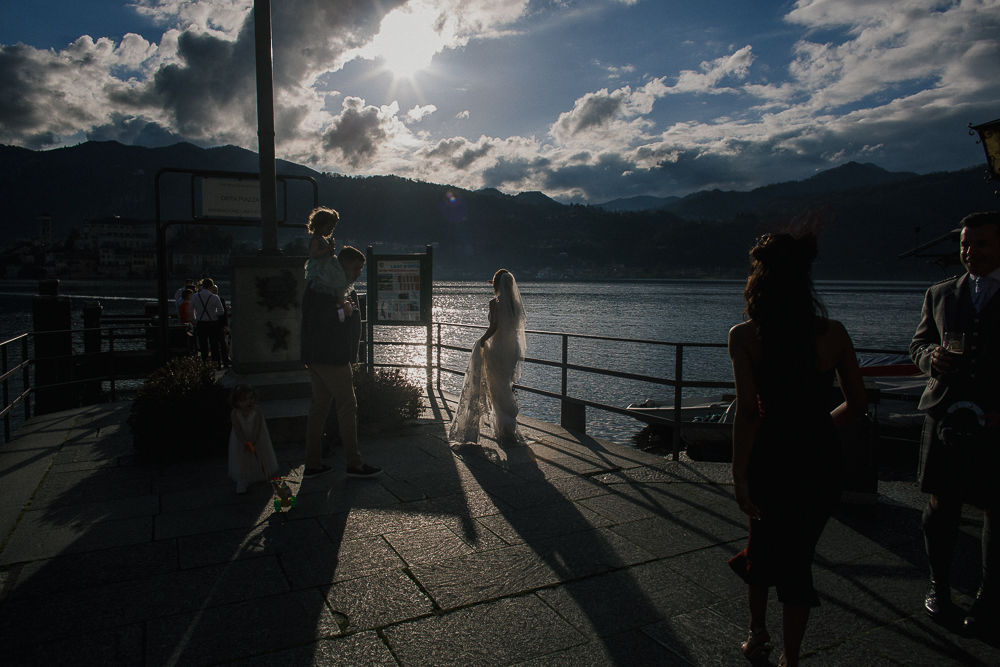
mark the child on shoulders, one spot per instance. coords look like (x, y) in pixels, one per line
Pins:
(323, 270)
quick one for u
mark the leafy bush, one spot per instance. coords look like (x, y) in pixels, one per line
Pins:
(180, 413)
(386, 398)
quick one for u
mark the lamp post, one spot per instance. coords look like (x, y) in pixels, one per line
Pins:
(265, 128)
(989, 137)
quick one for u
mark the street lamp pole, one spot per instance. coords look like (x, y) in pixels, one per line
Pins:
(265, 128)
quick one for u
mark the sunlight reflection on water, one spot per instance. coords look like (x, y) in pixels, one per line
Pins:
(878, 315)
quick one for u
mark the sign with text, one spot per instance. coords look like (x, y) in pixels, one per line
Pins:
(399, 288)
(228, 198)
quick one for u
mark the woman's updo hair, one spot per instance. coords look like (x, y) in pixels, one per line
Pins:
(783, 252)
(781, 301)
(497, 277)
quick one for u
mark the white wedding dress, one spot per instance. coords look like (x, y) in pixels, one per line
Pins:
(487, 404)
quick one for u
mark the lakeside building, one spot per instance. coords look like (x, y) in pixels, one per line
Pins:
(110, 247)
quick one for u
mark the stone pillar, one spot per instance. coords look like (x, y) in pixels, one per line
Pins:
(92, 366)
(53, 351)
(267, 314)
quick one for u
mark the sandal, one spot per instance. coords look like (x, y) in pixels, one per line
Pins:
(758, 647)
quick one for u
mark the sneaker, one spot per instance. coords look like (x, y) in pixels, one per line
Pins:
(315, 472)
(364, 471)
(241, 487)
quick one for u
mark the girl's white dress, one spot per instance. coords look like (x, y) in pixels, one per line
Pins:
(487, 404)
(243, 466)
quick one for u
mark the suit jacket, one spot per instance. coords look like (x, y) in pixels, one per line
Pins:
(940, 314)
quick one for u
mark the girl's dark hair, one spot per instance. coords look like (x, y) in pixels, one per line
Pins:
(240, 392)
(781, 301)
(320, 216)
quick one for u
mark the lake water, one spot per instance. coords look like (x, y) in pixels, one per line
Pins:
(878, 315)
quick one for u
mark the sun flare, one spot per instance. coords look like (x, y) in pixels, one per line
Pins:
(407, 41)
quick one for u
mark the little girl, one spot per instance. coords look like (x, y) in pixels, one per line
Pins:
(323, 272)
(249, 428)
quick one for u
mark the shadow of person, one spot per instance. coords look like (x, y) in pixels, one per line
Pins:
(118, 561)
(558, 548)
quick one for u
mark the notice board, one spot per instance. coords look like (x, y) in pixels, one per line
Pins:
(400, 289)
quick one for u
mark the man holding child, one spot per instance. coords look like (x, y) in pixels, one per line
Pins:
(326, 344)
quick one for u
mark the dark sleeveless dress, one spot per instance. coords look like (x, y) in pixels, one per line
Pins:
(794, 474)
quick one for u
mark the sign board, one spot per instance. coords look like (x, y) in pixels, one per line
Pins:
(399, 289)
(228, 198)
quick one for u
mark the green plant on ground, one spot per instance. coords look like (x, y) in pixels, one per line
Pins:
(386, 398)
(180, 413)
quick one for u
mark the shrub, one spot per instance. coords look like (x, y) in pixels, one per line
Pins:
(180, 413)
(386, 398)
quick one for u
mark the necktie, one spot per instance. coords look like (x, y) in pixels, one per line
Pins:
(981, 295)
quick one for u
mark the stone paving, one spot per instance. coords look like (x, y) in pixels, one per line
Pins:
(568, 551)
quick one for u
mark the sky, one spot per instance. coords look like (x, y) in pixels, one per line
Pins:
(584, 100)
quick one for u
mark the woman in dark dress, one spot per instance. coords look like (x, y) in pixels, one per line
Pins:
(786, 452)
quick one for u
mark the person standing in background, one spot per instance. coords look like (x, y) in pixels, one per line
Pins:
(960, 444)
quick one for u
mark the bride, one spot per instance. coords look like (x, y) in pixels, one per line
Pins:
(487, 402)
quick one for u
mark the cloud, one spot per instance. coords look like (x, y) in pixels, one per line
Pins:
(608, 112)
(220, 16)
(360, 130)
(418, 112)
(734, 66)
(893, 81)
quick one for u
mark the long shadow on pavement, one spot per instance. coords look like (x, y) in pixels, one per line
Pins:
(117, 562)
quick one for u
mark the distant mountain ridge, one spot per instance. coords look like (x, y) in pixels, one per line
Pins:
(640, 203)
(722, 205)
(703, 234)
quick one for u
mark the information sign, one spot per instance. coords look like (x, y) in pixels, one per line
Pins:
(228, 198)
(399, 288)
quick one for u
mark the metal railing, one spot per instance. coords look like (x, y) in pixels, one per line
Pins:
(7, 373)
(573, 408)
(102, 364)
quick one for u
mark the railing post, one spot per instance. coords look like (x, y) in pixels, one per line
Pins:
(6, 397)
(438, 354)
(25, 378)
(430, 355)
(111, 361)
(678, 381)
(573, 416)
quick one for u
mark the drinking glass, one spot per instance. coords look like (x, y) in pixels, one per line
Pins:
(954, 342)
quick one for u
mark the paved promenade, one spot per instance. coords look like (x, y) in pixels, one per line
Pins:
(570, 551)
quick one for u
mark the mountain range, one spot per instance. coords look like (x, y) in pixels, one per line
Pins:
(706, 234)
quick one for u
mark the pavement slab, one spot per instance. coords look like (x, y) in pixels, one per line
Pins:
(364, 649)
(71, 572)
(629, 599)
(633, 648)
(567, 550)
(112, 605)
(119, 647)
(241, 630)
(504, 632)
(28, 545)
(701, 638)
(378, 600)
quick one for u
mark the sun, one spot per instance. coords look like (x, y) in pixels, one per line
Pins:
(407, 41)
